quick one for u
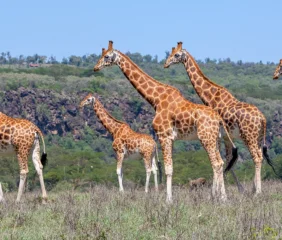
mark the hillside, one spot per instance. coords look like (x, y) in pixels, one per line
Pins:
(78, 145)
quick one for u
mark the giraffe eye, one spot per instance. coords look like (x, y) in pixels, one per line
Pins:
(176, 55)
(107, 56)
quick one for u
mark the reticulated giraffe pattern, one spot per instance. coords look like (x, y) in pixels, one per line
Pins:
(243, 120)
(175, 118)
(278, 71)
(126, 141)
(21, 136)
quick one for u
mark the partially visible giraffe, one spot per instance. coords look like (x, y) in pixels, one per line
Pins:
(243, 120)
(126, 141)
(175, 118)
(20, 136)
(278, 71)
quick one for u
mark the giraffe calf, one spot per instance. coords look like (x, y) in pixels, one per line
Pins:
(126, 141)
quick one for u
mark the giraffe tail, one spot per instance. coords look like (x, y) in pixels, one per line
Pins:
(234, 149)
(159, 165)
(43, 159)
(264, 150)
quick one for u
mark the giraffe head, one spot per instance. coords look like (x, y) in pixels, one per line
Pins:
(278, 71)
(87, 100)
(108, 58)
(176, 56)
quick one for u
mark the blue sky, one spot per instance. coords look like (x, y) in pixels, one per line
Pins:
(245, 30)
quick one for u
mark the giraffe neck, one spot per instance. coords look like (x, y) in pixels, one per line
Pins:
(148, 87)
(109, 122)
(211, 94)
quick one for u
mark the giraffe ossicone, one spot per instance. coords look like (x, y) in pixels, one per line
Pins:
(126, 141)
(175, 118)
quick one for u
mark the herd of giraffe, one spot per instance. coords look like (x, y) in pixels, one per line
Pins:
(175, 118)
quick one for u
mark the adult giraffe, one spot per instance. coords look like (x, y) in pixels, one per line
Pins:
(278, 71)
(126, 141)
(20, 136)
(175, 118)
(243, 120)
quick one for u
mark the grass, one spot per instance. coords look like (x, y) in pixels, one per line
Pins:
(102, 212)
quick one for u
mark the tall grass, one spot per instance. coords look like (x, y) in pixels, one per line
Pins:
(102, 212)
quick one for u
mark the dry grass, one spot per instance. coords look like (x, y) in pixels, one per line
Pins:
(103, 213)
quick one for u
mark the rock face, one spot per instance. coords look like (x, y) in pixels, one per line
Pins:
(59, 114)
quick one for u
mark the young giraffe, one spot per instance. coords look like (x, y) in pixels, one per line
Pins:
(20, 136)
(243, 120)
(278, 71)
(175, 118)
(126, 141)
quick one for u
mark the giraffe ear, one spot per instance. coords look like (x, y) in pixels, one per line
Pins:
(103, 51)
(110, 47)
(280, 61)
(172, 49)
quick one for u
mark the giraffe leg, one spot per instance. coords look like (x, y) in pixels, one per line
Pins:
(154, 169)
(218, 189)
(166, 144)
(256, 153)
(21, 186)
(228, 151)
(148, 173)
(120, 156)
(38, 166)
(1, 194)
(22, 156)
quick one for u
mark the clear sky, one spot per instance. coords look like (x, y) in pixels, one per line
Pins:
(248, 30)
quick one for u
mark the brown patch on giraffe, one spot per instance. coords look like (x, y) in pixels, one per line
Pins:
(136, 75)
(127, 65)
(160, 89)
(127, 72)
(164, 104)
(144, 86)
(193, 69)
(205, 86)
(213, 90)
(150, 91)
(190, 63)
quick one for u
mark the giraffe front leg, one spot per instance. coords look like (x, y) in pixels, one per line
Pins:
(166, 145)
(22, 155)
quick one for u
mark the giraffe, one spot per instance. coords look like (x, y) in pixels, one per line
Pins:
(278, 71)
(243, 120)
(175, 118)
(20, 136)
(126, 141)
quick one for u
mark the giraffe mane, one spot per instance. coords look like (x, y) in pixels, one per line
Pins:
(148, 76)
(199, 69)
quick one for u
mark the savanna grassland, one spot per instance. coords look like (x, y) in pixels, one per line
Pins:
(101, 212)
(84, 202)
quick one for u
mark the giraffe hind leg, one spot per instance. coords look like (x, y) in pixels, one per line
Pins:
(38, 167)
